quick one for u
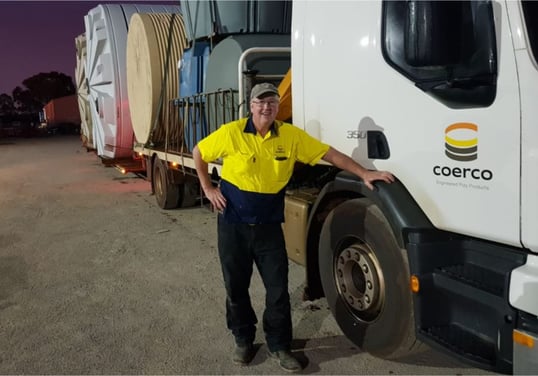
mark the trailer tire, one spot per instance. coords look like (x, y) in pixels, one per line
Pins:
(365, 277)
(166, 193)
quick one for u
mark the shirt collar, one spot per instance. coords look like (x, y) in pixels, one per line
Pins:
(250, 128)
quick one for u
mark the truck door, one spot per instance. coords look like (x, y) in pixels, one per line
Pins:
(439, 79)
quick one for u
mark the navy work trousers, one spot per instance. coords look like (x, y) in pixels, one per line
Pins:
(241, 246)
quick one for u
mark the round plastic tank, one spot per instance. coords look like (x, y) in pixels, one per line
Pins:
(152, 75)
(106, 39)
(222, 73)
(204, 19)
(86, 131)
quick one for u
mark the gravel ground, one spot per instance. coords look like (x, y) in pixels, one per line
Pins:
(96, 279)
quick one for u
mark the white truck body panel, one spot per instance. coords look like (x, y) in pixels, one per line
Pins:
(528, 78)
(522, 281)
(528, 74)
(325, 56)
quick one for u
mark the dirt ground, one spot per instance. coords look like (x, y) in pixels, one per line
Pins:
(96, 279)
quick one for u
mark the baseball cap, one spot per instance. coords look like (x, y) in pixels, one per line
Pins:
(263, 88)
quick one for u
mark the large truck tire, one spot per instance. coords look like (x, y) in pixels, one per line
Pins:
(365, 277)
(166, 193)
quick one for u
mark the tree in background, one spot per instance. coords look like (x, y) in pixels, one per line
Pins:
(6, 104)
(25, 102)
(46, 86)
(38, 90)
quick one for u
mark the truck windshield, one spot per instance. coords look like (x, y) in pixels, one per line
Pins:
(530, 10)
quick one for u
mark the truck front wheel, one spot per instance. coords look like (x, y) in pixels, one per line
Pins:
(365, 277)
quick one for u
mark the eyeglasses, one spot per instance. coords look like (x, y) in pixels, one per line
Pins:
(262, 104)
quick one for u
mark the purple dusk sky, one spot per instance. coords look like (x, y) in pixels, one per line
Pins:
(39, 36)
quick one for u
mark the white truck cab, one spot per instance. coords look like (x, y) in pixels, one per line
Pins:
(443, 94)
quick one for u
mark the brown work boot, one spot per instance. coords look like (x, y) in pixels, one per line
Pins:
(243, 355)
(286, 360)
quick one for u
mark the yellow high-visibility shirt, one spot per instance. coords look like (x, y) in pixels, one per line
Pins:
(260, 164)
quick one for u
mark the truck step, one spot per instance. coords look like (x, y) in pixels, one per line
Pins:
(462, 305)
(464, 316)
(476, 276)
(462, 342)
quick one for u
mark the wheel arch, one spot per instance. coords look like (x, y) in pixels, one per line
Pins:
(394, 200)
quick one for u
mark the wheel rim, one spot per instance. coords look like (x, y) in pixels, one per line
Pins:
(359, 281)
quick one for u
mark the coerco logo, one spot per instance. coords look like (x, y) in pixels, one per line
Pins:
(461, 142)
(461, 145)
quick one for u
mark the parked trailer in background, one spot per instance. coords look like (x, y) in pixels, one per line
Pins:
(61, 115)
(442, 94)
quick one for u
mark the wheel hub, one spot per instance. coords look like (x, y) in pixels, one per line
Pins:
(356, 275)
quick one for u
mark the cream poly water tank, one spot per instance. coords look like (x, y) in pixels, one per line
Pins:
(106, 41)
(154, 47)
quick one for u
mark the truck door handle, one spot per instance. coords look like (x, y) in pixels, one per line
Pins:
(378, 147)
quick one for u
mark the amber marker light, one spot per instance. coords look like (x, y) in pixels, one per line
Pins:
(174, 164)
(523, 339)
(415, 285)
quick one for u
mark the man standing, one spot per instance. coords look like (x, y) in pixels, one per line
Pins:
(258, 155)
